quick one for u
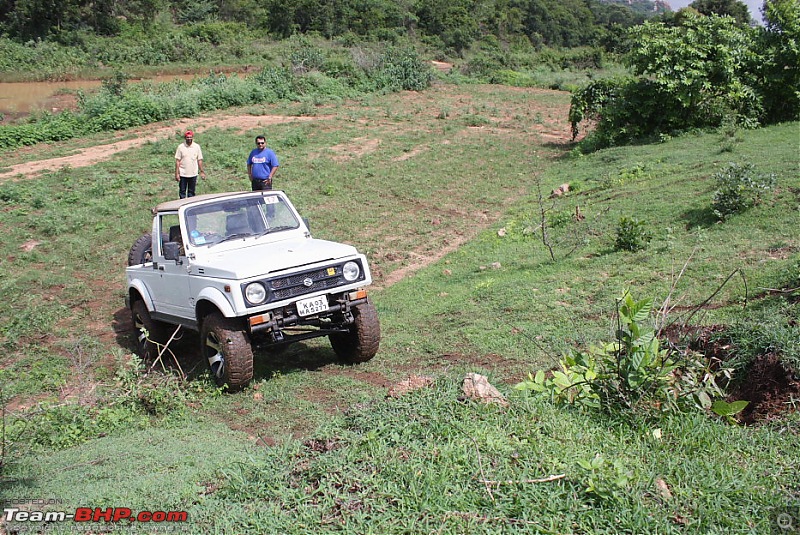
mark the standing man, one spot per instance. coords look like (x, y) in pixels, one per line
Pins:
(188, 160)
(262, 164)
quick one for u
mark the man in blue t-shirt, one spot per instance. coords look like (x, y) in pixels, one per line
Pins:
(261, 165)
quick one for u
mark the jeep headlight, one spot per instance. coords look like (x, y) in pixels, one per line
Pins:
(255, 293)
(351, 271)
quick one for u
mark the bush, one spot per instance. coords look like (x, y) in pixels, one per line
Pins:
(633, 372)
(691, 75)
(401, 68)
(632, 235)
(738, 189)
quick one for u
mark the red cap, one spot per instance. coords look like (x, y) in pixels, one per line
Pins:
(188, 133)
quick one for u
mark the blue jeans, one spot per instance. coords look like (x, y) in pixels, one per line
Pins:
(187, 186)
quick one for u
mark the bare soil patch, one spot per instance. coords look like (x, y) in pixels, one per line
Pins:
(99, 153)
(770, 388)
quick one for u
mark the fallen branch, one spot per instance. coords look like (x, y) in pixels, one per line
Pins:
(166, 348)
(480, 467)
(524, 481)
(487, 519)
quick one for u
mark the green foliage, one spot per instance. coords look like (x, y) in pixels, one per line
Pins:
(50, 59)
(739, 189)
(57, 426)
(62, 425)
(632, 235)
(724, 8)
(632, 373)
(401, 68)
(115, 85)
(727, 410)
(218, 33)
(121, 105)
(303, 55)
(604, 481)
(776, 63)
(700, 73)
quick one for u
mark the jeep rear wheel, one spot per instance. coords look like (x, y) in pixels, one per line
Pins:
(361, 343)
(227, 349)
(147, 344)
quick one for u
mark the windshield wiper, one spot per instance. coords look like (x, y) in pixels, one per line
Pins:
(275, 229)
(233, 237)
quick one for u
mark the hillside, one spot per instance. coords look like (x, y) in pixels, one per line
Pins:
(446, 191)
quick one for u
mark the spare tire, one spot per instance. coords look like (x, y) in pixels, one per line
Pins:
(141, 251)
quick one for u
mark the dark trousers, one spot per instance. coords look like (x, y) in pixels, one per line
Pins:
(187, 186)
(261, 185)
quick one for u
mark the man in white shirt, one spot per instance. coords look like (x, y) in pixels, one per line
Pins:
(188, 161)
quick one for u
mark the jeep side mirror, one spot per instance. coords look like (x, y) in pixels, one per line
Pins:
(308, 226)
(172, 250)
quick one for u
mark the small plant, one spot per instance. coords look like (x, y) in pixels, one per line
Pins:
(476, 120)
(738, 189)
(729, 410)
(632, 235)
(116, 84)
(633, 371)
(605, 481)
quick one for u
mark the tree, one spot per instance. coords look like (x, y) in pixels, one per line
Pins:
(693, 75)
(453, 21)
(783, 16)
(777, 61)
(568, 23)
(730, 8)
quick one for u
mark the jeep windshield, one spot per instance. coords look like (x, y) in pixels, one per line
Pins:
(230, 219)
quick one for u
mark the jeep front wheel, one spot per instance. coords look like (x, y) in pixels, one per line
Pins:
(147, 343)
(361, 342)
(227, 349)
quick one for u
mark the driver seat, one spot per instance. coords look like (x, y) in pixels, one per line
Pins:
(237, 224)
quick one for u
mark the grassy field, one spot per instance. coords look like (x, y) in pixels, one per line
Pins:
(444, 190)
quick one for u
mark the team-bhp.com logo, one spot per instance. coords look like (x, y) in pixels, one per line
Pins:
(96, 514)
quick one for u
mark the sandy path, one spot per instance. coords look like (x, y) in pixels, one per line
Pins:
(99, 153)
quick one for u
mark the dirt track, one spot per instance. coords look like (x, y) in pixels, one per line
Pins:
(92, 155)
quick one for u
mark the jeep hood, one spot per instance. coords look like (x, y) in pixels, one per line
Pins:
(253, 259)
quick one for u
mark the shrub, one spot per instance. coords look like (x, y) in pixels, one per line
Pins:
(632, 235)
(738, 189)
(633, 372)
(401, 68)
(277, 81)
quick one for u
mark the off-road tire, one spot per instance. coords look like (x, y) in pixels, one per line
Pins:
(142, 250)
(227, 349)
(146, 346)
(361, 343)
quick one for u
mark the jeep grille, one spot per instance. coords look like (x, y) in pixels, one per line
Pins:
(288, 287)
(297, 284)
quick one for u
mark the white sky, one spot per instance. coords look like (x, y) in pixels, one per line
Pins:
(754, 5)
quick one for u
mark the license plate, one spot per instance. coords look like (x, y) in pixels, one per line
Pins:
(312, 305)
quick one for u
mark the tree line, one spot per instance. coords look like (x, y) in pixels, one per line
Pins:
(451, 25)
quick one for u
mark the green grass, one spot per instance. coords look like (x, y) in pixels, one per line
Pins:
(315, 445)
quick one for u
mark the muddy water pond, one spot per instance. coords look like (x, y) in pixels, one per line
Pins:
(20, 98)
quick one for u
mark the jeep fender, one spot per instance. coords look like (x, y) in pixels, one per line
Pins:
(139, 287)
(218, 299)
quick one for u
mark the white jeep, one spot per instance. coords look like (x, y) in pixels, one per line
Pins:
(243, 270)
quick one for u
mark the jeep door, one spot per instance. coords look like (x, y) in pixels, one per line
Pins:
(171, 285)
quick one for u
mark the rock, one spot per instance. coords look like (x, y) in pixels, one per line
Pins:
(559, 191)
(477, 387)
